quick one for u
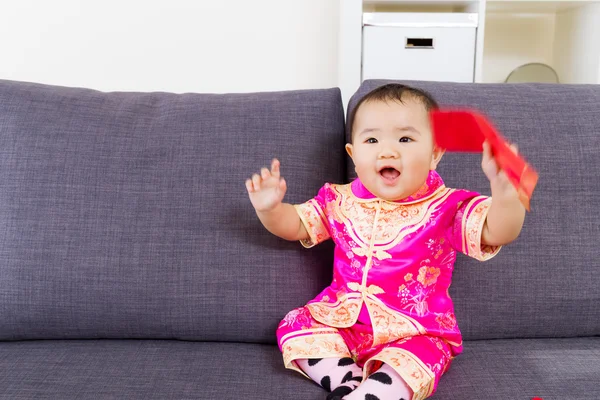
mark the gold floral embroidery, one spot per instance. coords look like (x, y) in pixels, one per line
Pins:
(447, 321)
(363, 343)
(371, 289)
(472, 228)
(428, 275)
(416, 374)
(374, 289)
(415, 300)
(300, 318)
(380, 254)
(408, 277)
(390, 325)
(341, 314)
(445, 355)
(436, 246)
(318, 345)
(395, 221)
(314, 221)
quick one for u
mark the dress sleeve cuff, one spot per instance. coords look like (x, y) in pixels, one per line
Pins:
(472, 228)
(314, 221)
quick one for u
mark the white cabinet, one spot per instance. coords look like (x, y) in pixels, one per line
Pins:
(419, 46)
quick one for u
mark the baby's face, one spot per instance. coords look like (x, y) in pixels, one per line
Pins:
(393, 149)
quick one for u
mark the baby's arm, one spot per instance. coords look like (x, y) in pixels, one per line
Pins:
(507, 214)
(266, 193)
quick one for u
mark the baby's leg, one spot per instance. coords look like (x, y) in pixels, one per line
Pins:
(383, 384)
(339, 376)
(411, 368)
(330, 364)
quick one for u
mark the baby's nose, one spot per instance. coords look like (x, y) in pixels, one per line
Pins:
(389, 152)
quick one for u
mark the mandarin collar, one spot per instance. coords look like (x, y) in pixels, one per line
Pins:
(433, 183)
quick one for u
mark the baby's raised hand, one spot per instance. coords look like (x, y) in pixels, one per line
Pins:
(266, 190)
(498, 179)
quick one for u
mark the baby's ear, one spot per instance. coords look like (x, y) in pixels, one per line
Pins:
(349, 149)
(436, 156)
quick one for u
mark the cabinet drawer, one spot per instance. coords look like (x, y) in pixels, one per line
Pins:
(419, 53)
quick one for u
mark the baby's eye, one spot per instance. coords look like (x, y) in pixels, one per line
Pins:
(405, 139)
(371, 140)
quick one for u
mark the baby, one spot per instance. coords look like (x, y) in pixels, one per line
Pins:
(385, 327)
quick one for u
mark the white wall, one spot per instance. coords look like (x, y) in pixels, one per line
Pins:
(512, 40)
(171, 45)
(577, 46)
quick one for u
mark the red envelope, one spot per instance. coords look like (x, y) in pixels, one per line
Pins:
(465, 131)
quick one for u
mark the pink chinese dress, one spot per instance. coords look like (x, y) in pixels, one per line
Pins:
(393, 261)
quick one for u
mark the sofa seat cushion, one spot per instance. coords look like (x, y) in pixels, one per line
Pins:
(147, 369)
(523, 369)
(170, 369)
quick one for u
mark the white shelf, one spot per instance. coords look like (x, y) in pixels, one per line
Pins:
(421, 19)
(508, 6)
(533, 6)
(421, 5)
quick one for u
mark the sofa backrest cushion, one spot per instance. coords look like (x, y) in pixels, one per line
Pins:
(546, 283)
(125, 215)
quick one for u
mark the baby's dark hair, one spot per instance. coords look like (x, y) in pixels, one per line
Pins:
(394, 92)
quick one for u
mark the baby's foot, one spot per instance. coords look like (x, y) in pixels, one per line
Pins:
(348, 384)
(339, 376)
(383, 384)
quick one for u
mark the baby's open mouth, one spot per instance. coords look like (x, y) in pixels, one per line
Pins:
(389, 173)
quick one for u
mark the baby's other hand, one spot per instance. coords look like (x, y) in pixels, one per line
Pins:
(266, 190)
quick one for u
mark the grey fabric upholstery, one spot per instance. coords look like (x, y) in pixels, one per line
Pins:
(546, 283)
(125, 215)
(153, 369)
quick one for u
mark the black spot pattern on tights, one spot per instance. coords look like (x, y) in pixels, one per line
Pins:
(339, 392)
(326, 383)
(345, 361)
(381, 377)
(347, 377)
(370, 396)
(313, 361)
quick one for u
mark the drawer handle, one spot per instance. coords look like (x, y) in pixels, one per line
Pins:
(419, 43)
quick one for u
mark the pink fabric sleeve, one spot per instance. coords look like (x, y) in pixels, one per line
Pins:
(467, 227)
(313, 216)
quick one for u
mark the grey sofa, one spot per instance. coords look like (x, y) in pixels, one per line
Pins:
(132, 265)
